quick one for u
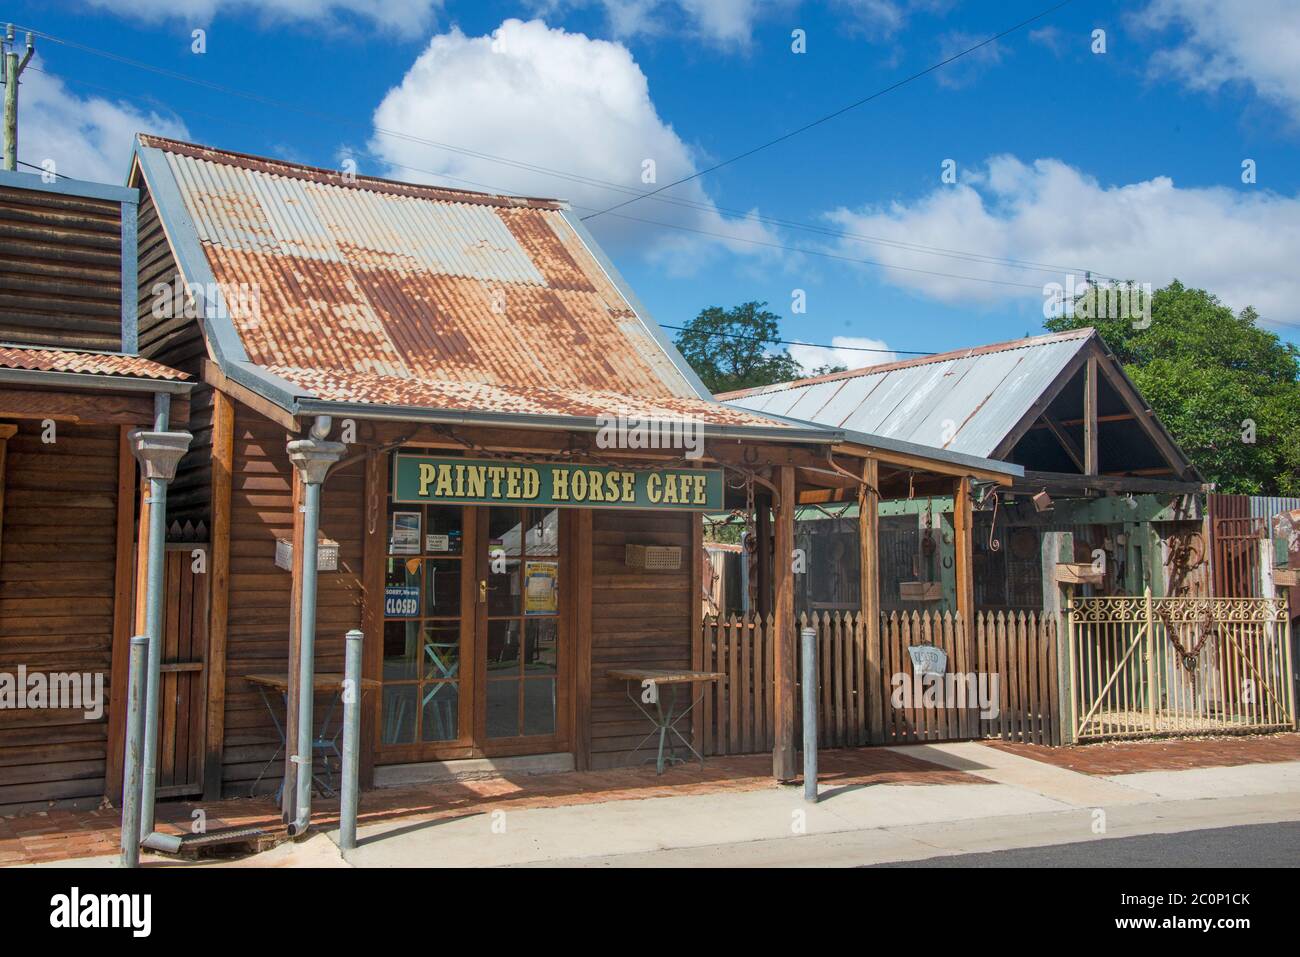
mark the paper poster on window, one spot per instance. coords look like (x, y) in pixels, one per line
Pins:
(540, 592)
(405, 539)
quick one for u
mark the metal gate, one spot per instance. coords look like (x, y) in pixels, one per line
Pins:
(1237, 556)
(1143, 666)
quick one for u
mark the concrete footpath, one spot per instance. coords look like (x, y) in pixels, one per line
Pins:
(1029, 803)
(1019, 802)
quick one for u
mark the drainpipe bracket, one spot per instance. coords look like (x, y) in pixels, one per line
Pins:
(313, 458)
(159, 452)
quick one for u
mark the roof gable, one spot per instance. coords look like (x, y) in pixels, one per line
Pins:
(321, 273)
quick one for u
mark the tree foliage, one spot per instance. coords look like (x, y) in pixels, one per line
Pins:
(731, 348)
(1216, 380)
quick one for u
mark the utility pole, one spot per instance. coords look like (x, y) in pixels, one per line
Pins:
(13, 69)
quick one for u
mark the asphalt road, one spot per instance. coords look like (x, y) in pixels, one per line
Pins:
(1252, 845)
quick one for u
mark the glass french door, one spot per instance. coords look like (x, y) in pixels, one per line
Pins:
(520, 660)
(473, 625)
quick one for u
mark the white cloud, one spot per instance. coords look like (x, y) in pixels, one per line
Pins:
(728, 23)
(87, 138)
(409, 17)
(1240, 245)
(1223, 43)
(845, 352)
(560, 101)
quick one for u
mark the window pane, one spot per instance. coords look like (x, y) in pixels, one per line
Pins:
(402, 571)
(540, 648)
(442, 530)
(401, 650)
(441, 711)
(503, 647)
(543, 534)
(503, 708)
(441, 650)
(504, 529)
(441, 588)
(399, 714)
(539, 706)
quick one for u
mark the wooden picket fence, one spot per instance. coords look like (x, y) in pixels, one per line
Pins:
(1012, 658)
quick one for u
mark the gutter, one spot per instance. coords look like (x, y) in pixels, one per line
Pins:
(803, 432)
(94, 382)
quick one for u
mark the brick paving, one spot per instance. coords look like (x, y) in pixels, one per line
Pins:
(1169, 754)
(60, 835)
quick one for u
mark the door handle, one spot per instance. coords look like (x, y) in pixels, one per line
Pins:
(482, 591)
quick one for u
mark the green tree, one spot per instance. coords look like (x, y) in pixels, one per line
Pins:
(730, 349)
(1216, 380)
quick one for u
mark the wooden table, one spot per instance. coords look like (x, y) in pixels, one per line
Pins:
(665, 722)
(323, 681)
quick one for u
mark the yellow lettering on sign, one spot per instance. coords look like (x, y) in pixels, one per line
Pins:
(513, 488)
(460, 481)
(629, 486)
(701, 489)
(654, 487)
(476, 487)
(670, 489)
(427, 475)
(532, 483)
(560, 485)
(597, 490)
(579, 483)
(443, 488)
(496, 473)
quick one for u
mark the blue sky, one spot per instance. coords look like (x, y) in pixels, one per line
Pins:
(1127, 161)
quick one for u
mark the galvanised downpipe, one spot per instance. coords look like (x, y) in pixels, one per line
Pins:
(349, 787)
(809, 715)
(312, 458)
(134, 743)
(159, 452)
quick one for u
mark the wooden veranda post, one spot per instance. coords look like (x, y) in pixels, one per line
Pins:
(783, 629)
(223, 463)
(962, 526)
(869, 592)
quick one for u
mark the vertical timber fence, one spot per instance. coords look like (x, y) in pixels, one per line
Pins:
(999, 681)
(1144, 666)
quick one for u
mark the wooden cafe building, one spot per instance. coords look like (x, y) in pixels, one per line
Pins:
(512, 465)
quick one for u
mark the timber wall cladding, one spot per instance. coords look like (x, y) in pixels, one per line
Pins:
(56, 604)
(639, 618)
(60, 270)
(257, 638)
(173, 339)
(189, 498)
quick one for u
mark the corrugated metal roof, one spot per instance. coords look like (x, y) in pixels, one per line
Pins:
(86, 363)
(964, 401)
(361, 283)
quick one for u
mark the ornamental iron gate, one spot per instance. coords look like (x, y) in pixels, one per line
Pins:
(1143, 666)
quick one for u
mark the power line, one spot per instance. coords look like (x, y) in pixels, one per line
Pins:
(914, 247)
(921, 248)
(840, 112)
(796, 342)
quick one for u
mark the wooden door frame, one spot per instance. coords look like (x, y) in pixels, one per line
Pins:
(472, 742)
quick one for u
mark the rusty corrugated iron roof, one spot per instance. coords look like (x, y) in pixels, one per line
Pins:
(388, 390)
(378, 292)
(963, 401)
(86, 363)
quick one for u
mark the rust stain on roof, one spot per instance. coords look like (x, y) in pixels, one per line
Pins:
(358, 283)
(477, 397)
(87, 363)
